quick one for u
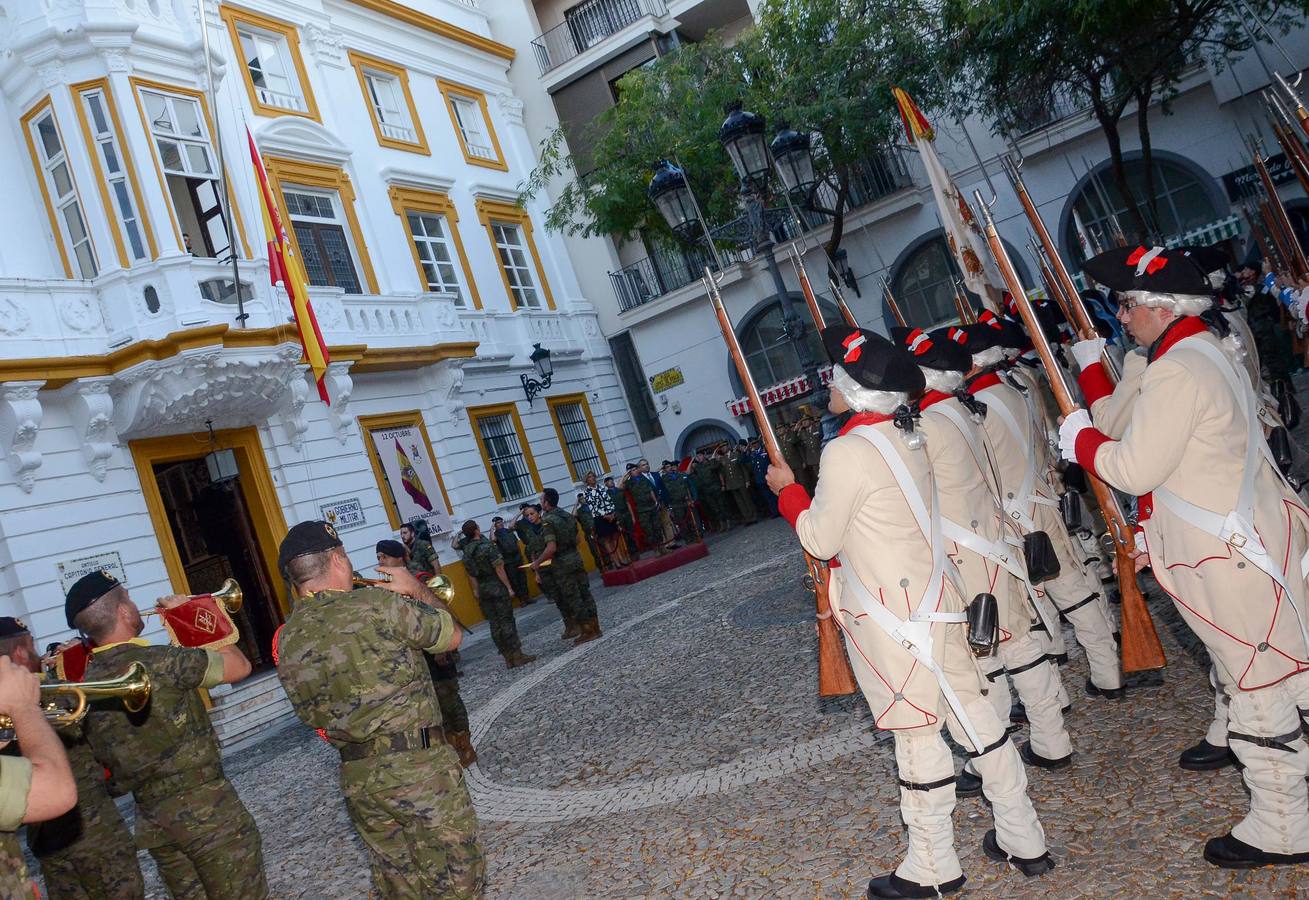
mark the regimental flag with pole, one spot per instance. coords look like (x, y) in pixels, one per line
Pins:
(286, 271)
(413, 485)
(962, 233)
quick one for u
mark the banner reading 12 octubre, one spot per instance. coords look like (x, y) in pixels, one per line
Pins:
(411, 476)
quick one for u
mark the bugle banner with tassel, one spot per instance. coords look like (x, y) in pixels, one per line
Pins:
(204, 621)
(835, 677)
(1141, 649)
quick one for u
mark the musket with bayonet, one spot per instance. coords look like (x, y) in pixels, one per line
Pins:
(1301, 114)
(1296, 154)
(1141, 649)
(1283, 232)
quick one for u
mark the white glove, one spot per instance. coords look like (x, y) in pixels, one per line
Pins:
(1076, 421)
(1087, 353)
(1139, 539)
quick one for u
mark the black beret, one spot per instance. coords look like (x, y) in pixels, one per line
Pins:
(391, 548)
(872, 360)
(668, 462)
(85, 591)
(631, 466)
(1155, 269)
(11, 627)
(306, 538)
(931, 351)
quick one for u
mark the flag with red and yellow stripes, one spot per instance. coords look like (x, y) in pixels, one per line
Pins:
(285, 269)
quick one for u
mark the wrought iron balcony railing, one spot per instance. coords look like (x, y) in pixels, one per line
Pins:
(587, 25)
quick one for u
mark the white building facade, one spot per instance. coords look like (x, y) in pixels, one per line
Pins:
(395, 143)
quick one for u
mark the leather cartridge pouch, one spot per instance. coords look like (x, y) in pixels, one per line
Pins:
(983, 624)
(1042, 563)
(1279, 441)
(1070, 510)
(1074, 478)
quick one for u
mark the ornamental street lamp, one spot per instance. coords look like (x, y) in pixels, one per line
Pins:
(757, 228)
(544, 368)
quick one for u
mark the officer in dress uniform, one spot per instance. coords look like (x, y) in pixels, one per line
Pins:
(1222, 530)
(490, 582)
(351, 663)
(559, 536)
(506, 540)
(188, 816)
(88, 851)
(874, 510)
(736, 482)
(987, 552)
(35, 786)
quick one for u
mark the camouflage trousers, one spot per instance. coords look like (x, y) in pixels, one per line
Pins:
(101, 865)
(413, 812)
(573, 589)
(14, 880)
(652, 527)
(743, 503)
(205, 843)
(498, 608)
(517, 579)
(454, 715)
(684, 521)
(716, 505)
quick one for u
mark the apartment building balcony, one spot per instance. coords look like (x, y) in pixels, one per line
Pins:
(588, 25)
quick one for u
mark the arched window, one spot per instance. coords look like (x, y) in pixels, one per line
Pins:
(1181, 203)
(770, 354)
(924, 285)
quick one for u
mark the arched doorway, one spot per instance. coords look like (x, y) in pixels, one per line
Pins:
(773, 357)
(924, 282)
(704, 434)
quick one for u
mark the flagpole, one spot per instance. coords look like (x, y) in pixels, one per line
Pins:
(224, 206)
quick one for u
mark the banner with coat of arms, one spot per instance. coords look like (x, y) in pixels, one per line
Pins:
(411, 476)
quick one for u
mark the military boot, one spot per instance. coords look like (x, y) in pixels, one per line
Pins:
(571, 630)
(462, 744)
(517, 658)
(588, 631)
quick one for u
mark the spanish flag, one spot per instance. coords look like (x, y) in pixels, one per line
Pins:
(409, 478)
(285, 268)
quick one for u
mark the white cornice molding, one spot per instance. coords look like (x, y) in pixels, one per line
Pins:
(301, 138)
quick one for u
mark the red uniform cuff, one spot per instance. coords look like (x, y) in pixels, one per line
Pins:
(1095, 383)
(793, 500)
(1144, 509)
(1085, 447)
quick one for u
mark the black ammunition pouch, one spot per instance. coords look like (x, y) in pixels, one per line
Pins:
(1042, 563)
(1071, 511)
(983, 624)
(1074, 477)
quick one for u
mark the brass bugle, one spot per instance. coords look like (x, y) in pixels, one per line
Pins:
(440, 585)
(133, 687)
(230, 595)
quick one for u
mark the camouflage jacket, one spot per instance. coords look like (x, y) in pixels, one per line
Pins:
(560, 527)
(643, 491)
(707, 476)
(95, 809)
(584, 517)
(678, 487)
(621, 510)
(170, 745)
(507, 542)
(811, 443)
(15, 782)
(422, 558)
(352, 662)
(736, 472)
(480, 559)
(792, 452)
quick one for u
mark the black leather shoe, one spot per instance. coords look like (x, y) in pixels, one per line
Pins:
(1029, 867)
(1018, 713)
(1117, 693)
(1032, 758)
(1205, 757)
(967, 784)
(1227, 852)
(892, 886)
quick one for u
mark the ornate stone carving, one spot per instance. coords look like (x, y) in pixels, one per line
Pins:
(512, 107)
(91, 407)
(447, 385)
(325, 44)
(51, 74)
(293, 409)
(80, 313)
(13, 318)
(116, 61)
(339, 387)
(20, 422)
(329, 311)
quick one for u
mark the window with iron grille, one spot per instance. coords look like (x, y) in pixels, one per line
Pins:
(579, 442)
(505, 456)
(324, 247)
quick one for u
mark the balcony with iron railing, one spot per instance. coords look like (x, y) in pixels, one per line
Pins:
(588, 25)
(668, 269)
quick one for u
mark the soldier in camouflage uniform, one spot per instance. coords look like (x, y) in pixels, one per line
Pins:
(559, 530)
(792, 451)
(33, 787)
(736, 482)
(187, 815)
(352, 665)
(507, 540)
(706, 475)
(88, 851)
(811, 448)
(641, 484)
(422, 555)
(486, 567)
(680, 502)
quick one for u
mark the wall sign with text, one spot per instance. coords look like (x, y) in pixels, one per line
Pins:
(410, 474)
(668, 378)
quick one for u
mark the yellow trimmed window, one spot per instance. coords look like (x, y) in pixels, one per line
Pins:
(505, 452)
(578, 436)
(472, 123)
(438, 251)
(390, 104)
(119, 188)
(59, 190)
(271, 64)
(510, 230)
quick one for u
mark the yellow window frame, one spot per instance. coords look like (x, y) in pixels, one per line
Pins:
(475, 413)
(361, 62)
(413, 418)
(489, 211)
(140, 84)
(450, 89)
(320, 175)
(26, 122)
(102, 179)
(235, 16)
(553, 404)
(404, 199)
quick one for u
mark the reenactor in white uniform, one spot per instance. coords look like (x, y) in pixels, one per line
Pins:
(895, 599)
(1225, 535)
(987, 552)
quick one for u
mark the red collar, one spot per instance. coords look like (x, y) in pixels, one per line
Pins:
(864, 418)
(982, 382)
(1183, 328)
(932, 397)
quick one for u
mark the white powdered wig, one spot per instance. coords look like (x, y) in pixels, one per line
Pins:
(862, 399)
(942, 380)
(1182, 304)
(991, 356)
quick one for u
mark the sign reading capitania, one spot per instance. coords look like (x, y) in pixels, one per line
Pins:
(668, 378)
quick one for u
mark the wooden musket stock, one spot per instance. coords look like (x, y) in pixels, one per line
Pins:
(1285, 234)
(892, 305)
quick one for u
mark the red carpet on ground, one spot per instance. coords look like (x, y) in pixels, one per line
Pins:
(649, 566)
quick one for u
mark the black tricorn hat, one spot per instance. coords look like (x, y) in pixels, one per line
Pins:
(931, 351)
(1156, 269)
(1210, 259)
(872, 360)
(992, 331)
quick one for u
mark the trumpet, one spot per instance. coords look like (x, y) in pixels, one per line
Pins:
(230, 595)
(440, 585)
(133, 686)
